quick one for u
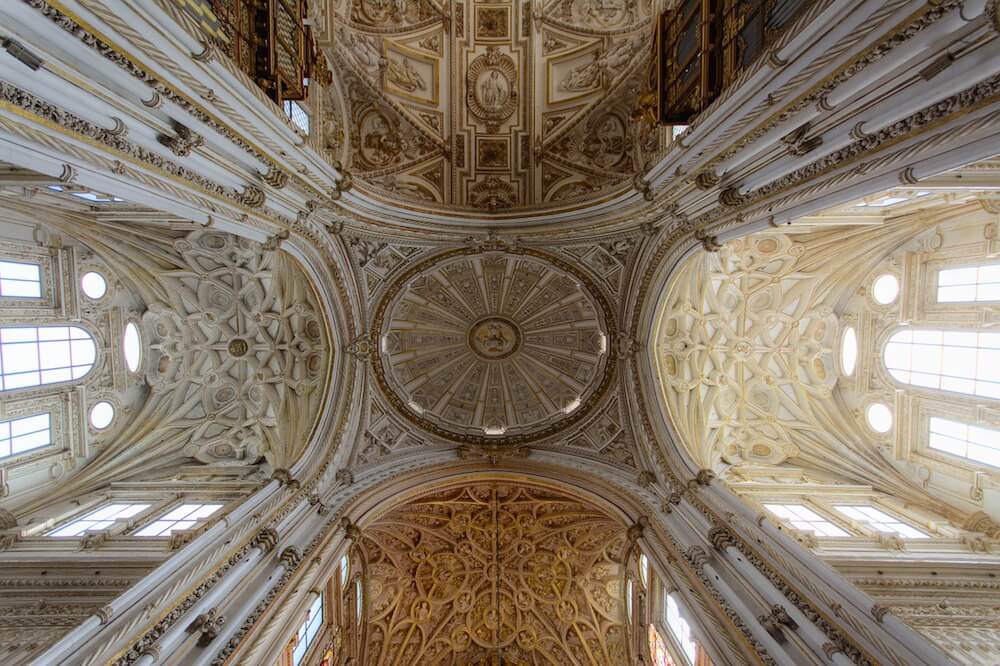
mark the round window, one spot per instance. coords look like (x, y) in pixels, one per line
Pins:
(93, 284)
(132, 346)
(879, 417)
(848, 351)
(885, 289)
(102, 414)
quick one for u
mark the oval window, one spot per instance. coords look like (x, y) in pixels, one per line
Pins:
(848, 351)
(102, 414)
(93, 284)
(879, 417)
(885, 289)
(132, 346)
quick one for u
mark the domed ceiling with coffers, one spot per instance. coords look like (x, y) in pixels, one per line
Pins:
(492, 106)
(480, 345)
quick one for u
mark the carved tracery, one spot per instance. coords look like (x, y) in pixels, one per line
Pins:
(495, 571)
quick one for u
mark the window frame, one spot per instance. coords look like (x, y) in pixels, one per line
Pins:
(950, 394)
(12, 456)
(40, 281)
(50, 270)
(289, 106)
(821, 511)
(303, 630)
(118, 525)
(866, 527)
(667, 633)
(94, 337)
(162, 510)
(935, 282)
(948, 457)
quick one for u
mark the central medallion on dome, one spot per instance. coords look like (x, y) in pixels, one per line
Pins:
(494, 338)
(476, 346)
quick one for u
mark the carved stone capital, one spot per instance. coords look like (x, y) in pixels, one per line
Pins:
(777, 619)
(276, 177)
(266, 539)
(707, 179)
(721, 537)
(290, 557)
(646, 478)
(104, 614)
(879, 612)
(183, 141)
(351, 531)
(252, 196)
(710, 243)
(7, 520)
(697, 556)
(284, 477)
(672, 500)
(208, 625)
(635, 531)
(344, 476)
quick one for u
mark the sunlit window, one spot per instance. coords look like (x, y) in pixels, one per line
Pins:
(960, 361)
(885, 289)
(99, 519)
(848, 351)
(94, 285)
(644, 569)
(102, 414)
(183, 517)
(880, 521)
(968, 441)
(345, 570)
(24, 434)
(88, 195)
(34, 355)
(20, 280)
(677, 130)
(132, 346)
(680, 628)
(879, 417)
(298, 115)
(971, 283)
(658, 649)
(802, 518)
(628, 598)
(308, 630)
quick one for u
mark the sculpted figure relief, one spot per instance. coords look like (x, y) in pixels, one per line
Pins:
(405, 75)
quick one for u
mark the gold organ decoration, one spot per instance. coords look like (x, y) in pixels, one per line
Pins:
(495, 572)
(702, 46)
(268, 40)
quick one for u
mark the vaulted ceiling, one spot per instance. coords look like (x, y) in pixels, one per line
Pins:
(462, 106)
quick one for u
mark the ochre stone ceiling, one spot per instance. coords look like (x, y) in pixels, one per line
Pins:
(492, 345)
(490, 106)
(495, 573)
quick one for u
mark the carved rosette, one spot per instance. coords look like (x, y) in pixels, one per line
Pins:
(476, 346)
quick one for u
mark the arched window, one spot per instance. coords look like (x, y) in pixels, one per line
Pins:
(36, 355)
(680, 628)
(960, 361)
(658, 648)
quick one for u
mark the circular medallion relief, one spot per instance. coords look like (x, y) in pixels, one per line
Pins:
(481, 346)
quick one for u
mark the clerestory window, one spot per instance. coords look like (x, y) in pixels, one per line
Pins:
(37, 355)
(959, 361)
